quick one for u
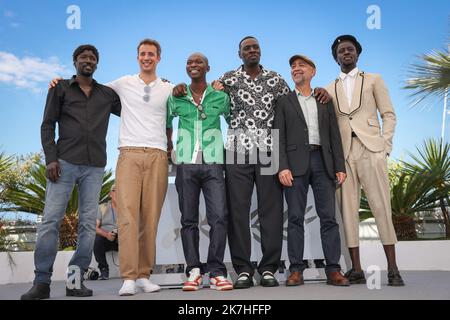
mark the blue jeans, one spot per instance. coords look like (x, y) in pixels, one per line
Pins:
(89, 180)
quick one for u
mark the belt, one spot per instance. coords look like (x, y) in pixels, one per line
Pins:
(354, 135)
(314, 147)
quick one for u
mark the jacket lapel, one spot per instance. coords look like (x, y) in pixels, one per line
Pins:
(341, 97)
(357, 92)
(320, 112)
(296, 105)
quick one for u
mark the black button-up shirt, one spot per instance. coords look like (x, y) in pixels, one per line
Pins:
(252, 108)
(82, 123)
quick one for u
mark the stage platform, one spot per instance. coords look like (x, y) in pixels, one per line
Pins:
(420, 285)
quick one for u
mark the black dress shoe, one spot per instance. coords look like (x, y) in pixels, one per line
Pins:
(39, 291)
(394, 279)
(244, 281)
(268, 279)
(355, 277)
(82, 292)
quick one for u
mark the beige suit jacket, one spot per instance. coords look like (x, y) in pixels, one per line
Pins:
(370, 98)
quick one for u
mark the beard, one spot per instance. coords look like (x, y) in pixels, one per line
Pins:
(87, 73)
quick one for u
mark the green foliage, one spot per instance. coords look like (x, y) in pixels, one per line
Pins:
(431, 77)
(30, 196)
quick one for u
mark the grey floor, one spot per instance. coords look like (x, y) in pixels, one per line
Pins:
(422, 285)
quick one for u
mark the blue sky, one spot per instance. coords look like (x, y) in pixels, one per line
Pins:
(35, 45)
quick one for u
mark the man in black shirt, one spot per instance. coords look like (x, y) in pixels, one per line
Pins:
(81, 107)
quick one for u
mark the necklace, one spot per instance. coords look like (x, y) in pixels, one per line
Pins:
(195, 93)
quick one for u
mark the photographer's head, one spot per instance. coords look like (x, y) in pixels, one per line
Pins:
(112, 193)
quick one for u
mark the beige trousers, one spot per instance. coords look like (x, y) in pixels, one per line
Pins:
(141, 184)
(368, 170)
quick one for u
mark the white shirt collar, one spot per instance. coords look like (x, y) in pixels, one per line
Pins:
(300, 94)
(351, 74)
(151, 84)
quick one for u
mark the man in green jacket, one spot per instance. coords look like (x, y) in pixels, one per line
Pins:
(200, 157)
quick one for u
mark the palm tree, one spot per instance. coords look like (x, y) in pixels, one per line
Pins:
(430, 78)
(30, 197)
(434, 159)
(6, 163)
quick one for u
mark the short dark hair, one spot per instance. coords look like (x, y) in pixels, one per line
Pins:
(83, 48)
(152, 43)
(247, 37)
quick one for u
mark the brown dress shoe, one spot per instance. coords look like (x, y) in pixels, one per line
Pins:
(295, 279)
(335, 278)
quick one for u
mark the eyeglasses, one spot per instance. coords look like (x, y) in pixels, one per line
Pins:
(202, 115)
(147, 90)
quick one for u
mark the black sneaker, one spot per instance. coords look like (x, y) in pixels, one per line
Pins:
(244, 281)
(268, 279)
(355, 277)
(39, 291)
(394, 279)
(82, 292)
(104, 274)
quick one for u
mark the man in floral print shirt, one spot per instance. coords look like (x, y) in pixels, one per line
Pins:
(254, 91)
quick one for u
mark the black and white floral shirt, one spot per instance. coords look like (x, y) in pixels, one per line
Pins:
(252, 108)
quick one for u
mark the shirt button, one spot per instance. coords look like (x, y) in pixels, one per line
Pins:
(351, 118)
(306, 130)
(306, 143)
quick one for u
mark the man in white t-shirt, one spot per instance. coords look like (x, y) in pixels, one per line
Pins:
(142, 167)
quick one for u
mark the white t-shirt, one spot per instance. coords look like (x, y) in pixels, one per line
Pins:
(144, 111)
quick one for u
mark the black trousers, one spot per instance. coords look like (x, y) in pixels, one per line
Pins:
(241, 179)
(190, 180)
(324, 198)
(101, 246)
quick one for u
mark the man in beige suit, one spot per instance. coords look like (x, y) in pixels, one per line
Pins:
(358, 98)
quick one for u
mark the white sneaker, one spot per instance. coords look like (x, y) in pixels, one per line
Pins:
(146, 285)
(194, 282)
(220, 283)
(128, 288)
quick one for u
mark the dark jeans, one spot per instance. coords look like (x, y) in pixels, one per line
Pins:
(324, 197)
(101, 246)
(190, 180)
(241, 179)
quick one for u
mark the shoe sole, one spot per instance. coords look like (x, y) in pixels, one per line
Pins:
(359, 281)
(337, 285)
(150, 291)
(270, 285)
(294, 284)
(242, 287)
(73, 294)
(396, 284)
(127, 294)
(187, 289)
(39, 298)
(224, 288)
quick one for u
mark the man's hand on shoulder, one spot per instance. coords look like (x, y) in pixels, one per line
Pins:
(54, 82)
(217, 85)
(180, 90)
(322, 95)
